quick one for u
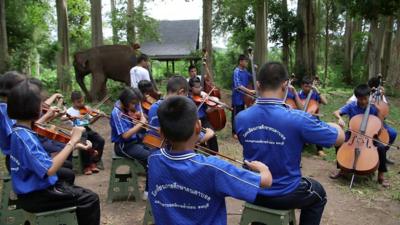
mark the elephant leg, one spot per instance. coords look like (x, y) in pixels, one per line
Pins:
(98, 81)
(103, 90)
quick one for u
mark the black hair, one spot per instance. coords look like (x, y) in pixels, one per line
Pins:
(24, 101)
(307, 80)
(129, 94)
(177, 116)
(177, 82)
(374, 82)
(9, 80)
(142, 57)
(76, 95)
(362, 90)
(242, 57)
(272, 75)
(145, 86)
(193, 81)
(191, 67)
(37, 82)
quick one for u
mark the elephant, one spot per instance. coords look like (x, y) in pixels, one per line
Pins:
(103, 62)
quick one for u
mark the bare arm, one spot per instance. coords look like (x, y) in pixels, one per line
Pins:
(134, 129)
(266, 176)
(341, 136)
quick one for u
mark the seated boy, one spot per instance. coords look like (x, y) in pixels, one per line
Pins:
(188, 188)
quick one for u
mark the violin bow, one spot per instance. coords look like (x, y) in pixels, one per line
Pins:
(253, 71)
(205, 99)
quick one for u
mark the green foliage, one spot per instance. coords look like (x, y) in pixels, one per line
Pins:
(79, 24)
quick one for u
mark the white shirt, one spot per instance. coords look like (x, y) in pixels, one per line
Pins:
(198, 76)
(75, 113)
(138, 73)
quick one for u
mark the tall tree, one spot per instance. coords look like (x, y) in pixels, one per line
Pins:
(387, 45)
(130, 23)
(3, 38)
(285, 34)
(96, 22)
(115, 38)
(63, 76)
(207, 26)
(393, 76)
(305, 41)
(375, 46)
(352, 26)
(261, 37)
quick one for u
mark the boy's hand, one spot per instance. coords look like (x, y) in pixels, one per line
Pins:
(341, 122)
(85, 147)
(143, 119)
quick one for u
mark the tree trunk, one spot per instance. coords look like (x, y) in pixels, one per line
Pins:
(261, 51)
(352, 26)
(96, 22)
(305, 64)
(387, 45)
(393, 77)
(4, 58)
(63, 77)
(327, 17)
(207, 29)
(115, 38)
(285, 35)
(375, 45)
(130, 24)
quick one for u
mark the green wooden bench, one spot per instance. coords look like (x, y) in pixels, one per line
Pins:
(65, 216)
(148, 218)
(253, 213)
(122, 186)
(10, 213)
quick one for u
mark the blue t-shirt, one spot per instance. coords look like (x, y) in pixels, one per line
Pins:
(29, 162)
(352, 109)
(290, 95)
(239, 78)
(314, 96)
(121, 123)
(6, 125)
(189, 188)
(272, 133)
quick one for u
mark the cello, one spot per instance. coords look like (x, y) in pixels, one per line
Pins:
(288, 101)
(359, 155)
(310, 105)
(207, 79)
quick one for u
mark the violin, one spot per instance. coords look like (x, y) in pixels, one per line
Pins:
(310, 105)
(209, 85)
(148, 100)
(288, 101)
(359, 155)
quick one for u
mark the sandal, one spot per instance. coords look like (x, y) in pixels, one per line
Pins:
(384, 183)
(336, 175)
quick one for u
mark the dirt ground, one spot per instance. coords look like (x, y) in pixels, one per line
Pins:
(344, 207)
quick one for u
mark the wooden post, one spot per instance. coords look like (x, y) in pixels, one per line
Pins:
(173, 66)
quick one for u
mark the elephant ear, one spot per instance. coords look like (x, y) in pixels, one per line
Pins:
(81, 59)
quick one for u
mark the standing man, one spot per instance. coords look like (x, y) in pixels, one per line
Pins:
(193, 73)
(140, 71)
(240, 80)
(274, 134)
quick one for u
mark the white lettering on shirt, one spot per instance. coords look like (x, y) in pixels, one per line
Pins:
(268, 129)
(179, 187)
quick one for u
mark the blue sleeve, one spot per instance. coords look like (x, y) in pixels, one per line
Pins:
(374, 111)
(345, 110)
(314, 131)
(317, 97)
(122, 123)
(237, 82)
(236, 182)
(35, 157)
(153, 117)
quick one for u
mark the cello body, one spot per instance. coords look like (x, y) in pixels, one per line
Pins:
(217, 118)
(359, 155)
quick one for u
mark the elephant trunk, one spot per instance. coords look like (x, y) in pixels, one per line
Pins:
(80, 80)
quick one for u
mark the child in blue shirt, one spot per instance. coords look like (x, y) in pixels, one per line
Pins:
(7, 82)
(177, 86)
(195, 88)
(241, 78)
(306, 87)
(188, 188)
(362, 93)
(125, 134)
(274, 134)
(33, 171)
